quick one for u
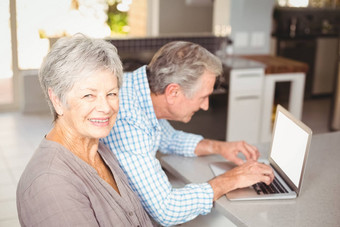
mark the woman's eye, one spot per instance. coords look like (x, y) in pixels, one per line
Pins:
(112, 94)
(88, 96)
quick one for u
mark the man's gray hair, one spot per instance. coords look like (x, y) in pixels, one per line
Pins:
(72, 59)
(182, 63)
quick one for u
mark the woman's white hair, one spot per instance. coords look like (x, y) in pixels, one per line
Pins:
(72, 59)
(182, 63)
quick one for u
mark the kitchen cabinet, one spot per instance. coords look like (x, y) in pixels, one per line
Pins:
(310, 35)
(326, 62)
(244, 100)
(252, 82)
(277, 70)
(335, 119)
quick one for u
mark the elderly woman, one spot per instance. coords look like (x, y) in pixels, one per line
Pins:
(72, 178)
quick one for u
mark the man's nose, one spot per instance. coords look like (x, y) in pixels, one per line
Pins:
(205, 104)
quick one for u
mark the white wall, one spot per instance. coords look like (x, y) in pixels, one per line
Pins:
(221, 13)
(251, 23)
(182, 16)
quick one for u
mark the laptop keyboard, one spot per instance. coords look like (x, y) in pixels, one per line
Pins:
(274, 188)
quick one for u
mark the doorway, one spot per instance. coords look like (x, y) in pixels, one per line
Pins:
(6, 69)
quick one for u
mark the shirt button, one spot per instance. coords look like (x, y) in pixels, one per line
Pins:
(131, 213)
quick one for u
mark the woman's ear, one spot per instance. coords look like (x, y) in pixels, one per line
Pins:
(58, 106)
(172, 92)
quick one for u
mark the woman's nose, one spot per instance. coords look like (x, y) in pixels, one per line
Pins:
(103, 105)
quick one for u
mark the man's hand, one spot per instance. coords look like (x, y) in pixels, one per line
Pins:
(229, 150)
(241, 176)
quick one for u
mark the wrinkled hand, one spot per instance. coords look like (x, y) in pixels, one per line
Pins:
(230, 150)
(245, 175)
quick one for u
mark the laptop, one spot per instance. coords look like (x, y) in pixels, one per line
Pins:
(288, 155)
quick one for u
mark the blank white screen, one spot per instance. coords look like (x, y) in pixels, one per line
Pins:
(289, 147)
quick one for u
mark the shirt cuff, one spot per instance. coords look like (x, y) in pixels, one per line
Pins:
(194, 140)
(207, 196)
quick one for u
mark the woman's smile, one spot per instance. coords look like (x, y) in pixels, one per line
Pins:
(99, 121)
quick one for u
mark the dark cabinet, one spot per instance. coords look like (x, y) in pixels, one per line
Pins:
(310, 35)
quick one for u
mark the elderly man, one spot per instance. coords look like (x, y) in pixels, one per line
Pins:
(176, 84)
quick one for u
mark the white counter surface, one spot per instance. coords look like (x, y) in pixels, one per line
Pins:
(234, 62)
(317, 204)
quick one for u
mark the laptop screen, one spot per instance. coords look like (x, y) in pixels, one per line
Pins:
(289, 146)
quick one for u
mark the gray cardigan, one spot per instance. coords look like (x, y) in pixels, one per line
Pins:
(59, 189)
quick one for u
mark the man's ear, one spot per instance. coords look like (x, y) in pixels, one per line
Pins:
(172, 92)
(58, 106)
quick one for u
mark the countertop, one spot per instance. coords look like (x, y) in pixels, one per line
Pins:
(317, 204)
(271, 64)
(276, 64)
(237, 62)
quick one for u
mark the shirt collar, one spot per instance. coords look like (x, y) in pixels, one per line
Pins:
(144, 98)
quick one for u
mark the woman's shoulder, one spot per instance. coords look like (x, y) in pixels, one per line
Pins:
(48, 161)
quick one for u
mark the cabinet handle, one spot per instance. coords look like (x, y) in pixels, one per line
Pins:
(248, 75)
(247, 97)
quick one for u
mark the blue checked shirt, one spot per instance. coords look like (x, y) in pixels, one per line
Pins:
(135, 139)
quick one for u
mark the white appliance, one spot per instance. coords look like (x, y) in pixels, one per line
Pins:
(325, 68)
(335, 121)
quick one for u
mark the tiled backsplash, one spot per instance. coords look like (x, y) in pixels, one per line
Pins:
(212, 43)
(139, 51)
